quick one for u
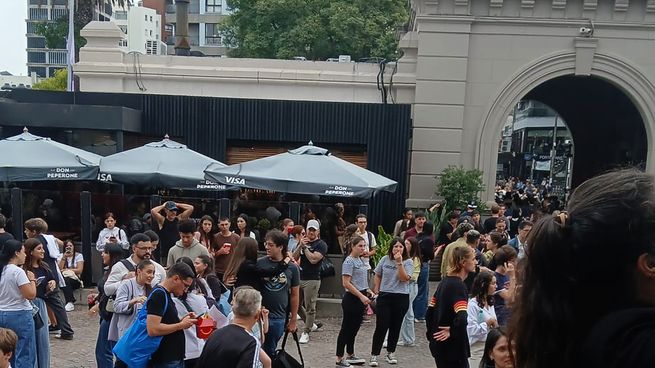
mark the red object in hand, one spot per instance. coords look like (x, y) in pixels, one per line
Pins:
(205, 327)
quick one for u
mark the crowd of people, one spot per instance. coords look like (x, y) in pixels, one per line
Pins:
(513, 292)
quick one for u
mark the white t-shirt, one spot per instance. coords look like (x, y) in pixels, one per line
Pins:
(70, 262)
(11, 299)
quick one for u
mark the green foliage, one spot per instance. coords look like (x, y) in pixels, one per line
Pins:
(56, 33)
(458, 186)
(383, 244)
(59, 82)
(436, 217)
(315, 29)
(263, 224)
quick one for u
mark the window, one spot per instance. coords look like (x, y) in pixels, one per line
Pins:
(146, 17)
(213, 6)
(212, 35)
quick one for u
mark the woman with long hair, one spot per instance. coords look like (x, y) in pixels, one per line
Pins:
(354, 278)
(392, 275)
(130, 296)
(348, 236)
(496, 350)
(297, 233)
(243, 227)
(496, 240)
(46, 284)
(112, 234)
(446, 318)
(71, 264)
(243, 265)
(111, 255)
(587, 294)
(426, 244)
(205, 232)
(204, 266)
(407, 334)
(481, 314)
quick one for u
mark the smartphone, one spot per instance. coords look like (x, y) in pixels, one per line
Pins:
(227, 246)
(40, 280)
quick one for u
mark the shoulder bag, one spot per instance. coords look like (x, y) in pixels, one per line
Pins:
(285, 360)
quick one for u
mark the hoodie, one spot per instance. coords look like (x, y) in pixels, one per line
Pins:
(178, 251)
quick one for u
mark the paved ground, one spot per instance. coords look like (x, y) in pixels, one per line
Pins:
(319, 353)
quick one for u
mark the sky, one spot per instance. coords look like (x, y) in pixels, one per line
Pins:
(12, 28)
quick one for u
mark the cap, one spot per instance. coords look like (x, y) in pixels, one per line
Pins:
(472, 205)
(313, 224)
(170, 205)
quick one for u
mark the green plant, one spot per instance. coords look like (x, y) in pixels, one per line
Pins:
(58, 82)
(458, 186)
(437, 216)
(263, 224)
(383, 244)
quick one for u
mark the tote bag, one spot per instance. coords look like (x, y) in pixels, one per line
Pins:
(135, 347)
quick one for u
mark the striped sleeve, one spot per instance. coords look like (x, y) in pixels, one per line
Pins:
(460, 306)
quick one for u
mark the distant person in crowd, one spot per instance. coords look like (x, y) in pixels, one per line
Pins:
(590, 273)
(295, 236)
(205, 232)
(519, 242)
(130, 297)
(447, 230)
(462, 230)
(310, 252)
(404, 223)
(71, 264)
(243, 227)
(287, 225)
(497, 350)
(446, 318)
(4, 236)
(371, 244)
(258, 330)
(204, 267)
(126, 268)
(481, 314)
(166, 225)
(340, 227)
(112, 234)
(36, 228)
(111, 255)
(501, 227)
(46, 284)
(472, 239)
(17, 288)
(490, 223)
(224, 240)
(354, 278)
(476, 222)
(391, 284)
(280, 293)
(505, 260)
(496, 240)
(50, 213)
(163, 319)
(154, 239)
(426, 244)
(470, 208)
(243, 266)
(419, 220)
(234, 345)
(407, 334)
(187, 246)
(8, 343)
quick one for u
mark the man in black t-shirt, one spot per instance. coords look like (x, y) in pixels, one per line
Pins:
(4, 236)
(163, 320)
(166, 226)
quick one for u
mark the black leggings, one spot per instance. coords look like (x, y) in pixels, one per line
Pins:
(389, 315)
(441, 361)
(353, 314)
(71, 285)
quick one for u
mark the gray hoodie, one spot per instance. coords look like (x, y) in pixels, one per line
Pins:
(178, 251)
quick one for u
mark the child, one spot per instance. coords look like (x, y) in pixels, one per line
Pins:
(8, 341)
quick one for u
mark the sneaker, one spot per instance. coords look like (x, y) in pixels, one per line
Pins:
(343, 363)
(391, 358)
(354, 359)
(64, 337)
(317, 327)
(69, 307)
(54, 330)
(367, 319)
(304, 338)
(373, 362)
(419, 320)
(402, 343)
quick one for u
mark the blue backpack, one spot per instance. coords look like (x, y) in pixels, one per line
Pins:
(135, 347)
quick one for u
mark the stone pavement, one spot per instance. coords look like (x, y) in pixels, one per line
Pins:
(318, 353)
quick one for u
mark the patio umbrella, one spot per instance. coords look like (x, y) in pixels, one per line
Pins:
(27, 157)
(305, 170)
(164, 164)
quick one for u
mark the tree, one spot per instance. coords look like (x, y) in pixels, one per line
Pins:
(458, 186)
(315, 29)
(58, 82)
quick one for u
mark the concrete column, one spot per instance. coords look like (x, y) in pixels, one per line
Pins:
(101, 52)
(182, 47)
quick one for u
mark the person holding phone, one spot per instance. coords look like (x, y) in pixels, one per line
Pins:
(223, 242)
(505, 258)
(112, 234)
(71, 264)
(243, 266)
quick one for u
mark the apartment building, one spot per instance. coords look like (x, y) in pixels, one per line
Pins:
(204, 18)
(142, 26)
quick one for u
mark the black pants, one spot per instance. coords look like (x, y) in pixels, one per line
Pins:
(441, 362)
(389, 315)
(71, 285)
(353, 314)
(53, 300)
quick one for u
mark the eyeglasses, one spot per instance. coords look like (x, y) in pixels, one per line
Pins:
(187, 286)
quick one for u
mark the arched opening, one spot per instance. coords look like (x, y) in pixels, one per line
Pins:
(605, 125)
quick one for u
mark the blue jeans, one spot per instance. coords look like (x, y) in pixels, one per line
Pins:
(275, 332)
(104, 355)
(407, 334)
(22, 323)
(42, 337)
(173, 364)
(420, 305)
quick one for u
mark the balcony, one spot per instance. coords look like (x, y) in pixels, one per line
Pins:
(57, 57)
(59, 13)
(38, 14)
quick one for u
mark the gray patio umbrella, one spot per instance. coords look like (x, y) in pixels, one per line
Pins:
(305, 170)
(27, 157)
(163, 164)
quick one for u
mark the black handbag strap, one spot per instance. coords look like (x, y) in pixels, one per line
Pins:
(295, 338)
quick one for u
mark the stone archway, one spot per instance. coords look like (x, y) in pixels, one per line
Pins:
(607, 68)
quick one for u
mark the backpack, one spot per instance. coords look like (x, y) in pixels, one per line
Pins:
(107, 302)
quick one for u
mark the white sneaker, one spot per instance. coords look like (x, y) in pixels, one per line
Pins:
(317, 327)
(69, 307)
(391, 358)
(374, 361)
(402, 343)
(304, 338)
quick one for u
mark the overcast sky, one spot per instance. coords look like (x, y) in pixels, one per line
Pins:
(12, 28)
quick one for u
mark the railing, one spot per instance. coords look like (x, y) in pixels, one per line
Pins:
(57, 57)
(213, 41)
(58, 13)
(38, 13)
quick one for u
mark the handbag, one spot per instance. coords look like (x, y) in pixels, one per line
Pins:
(135, 347)
(285, 360)
(38, 321)
(327, 268)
